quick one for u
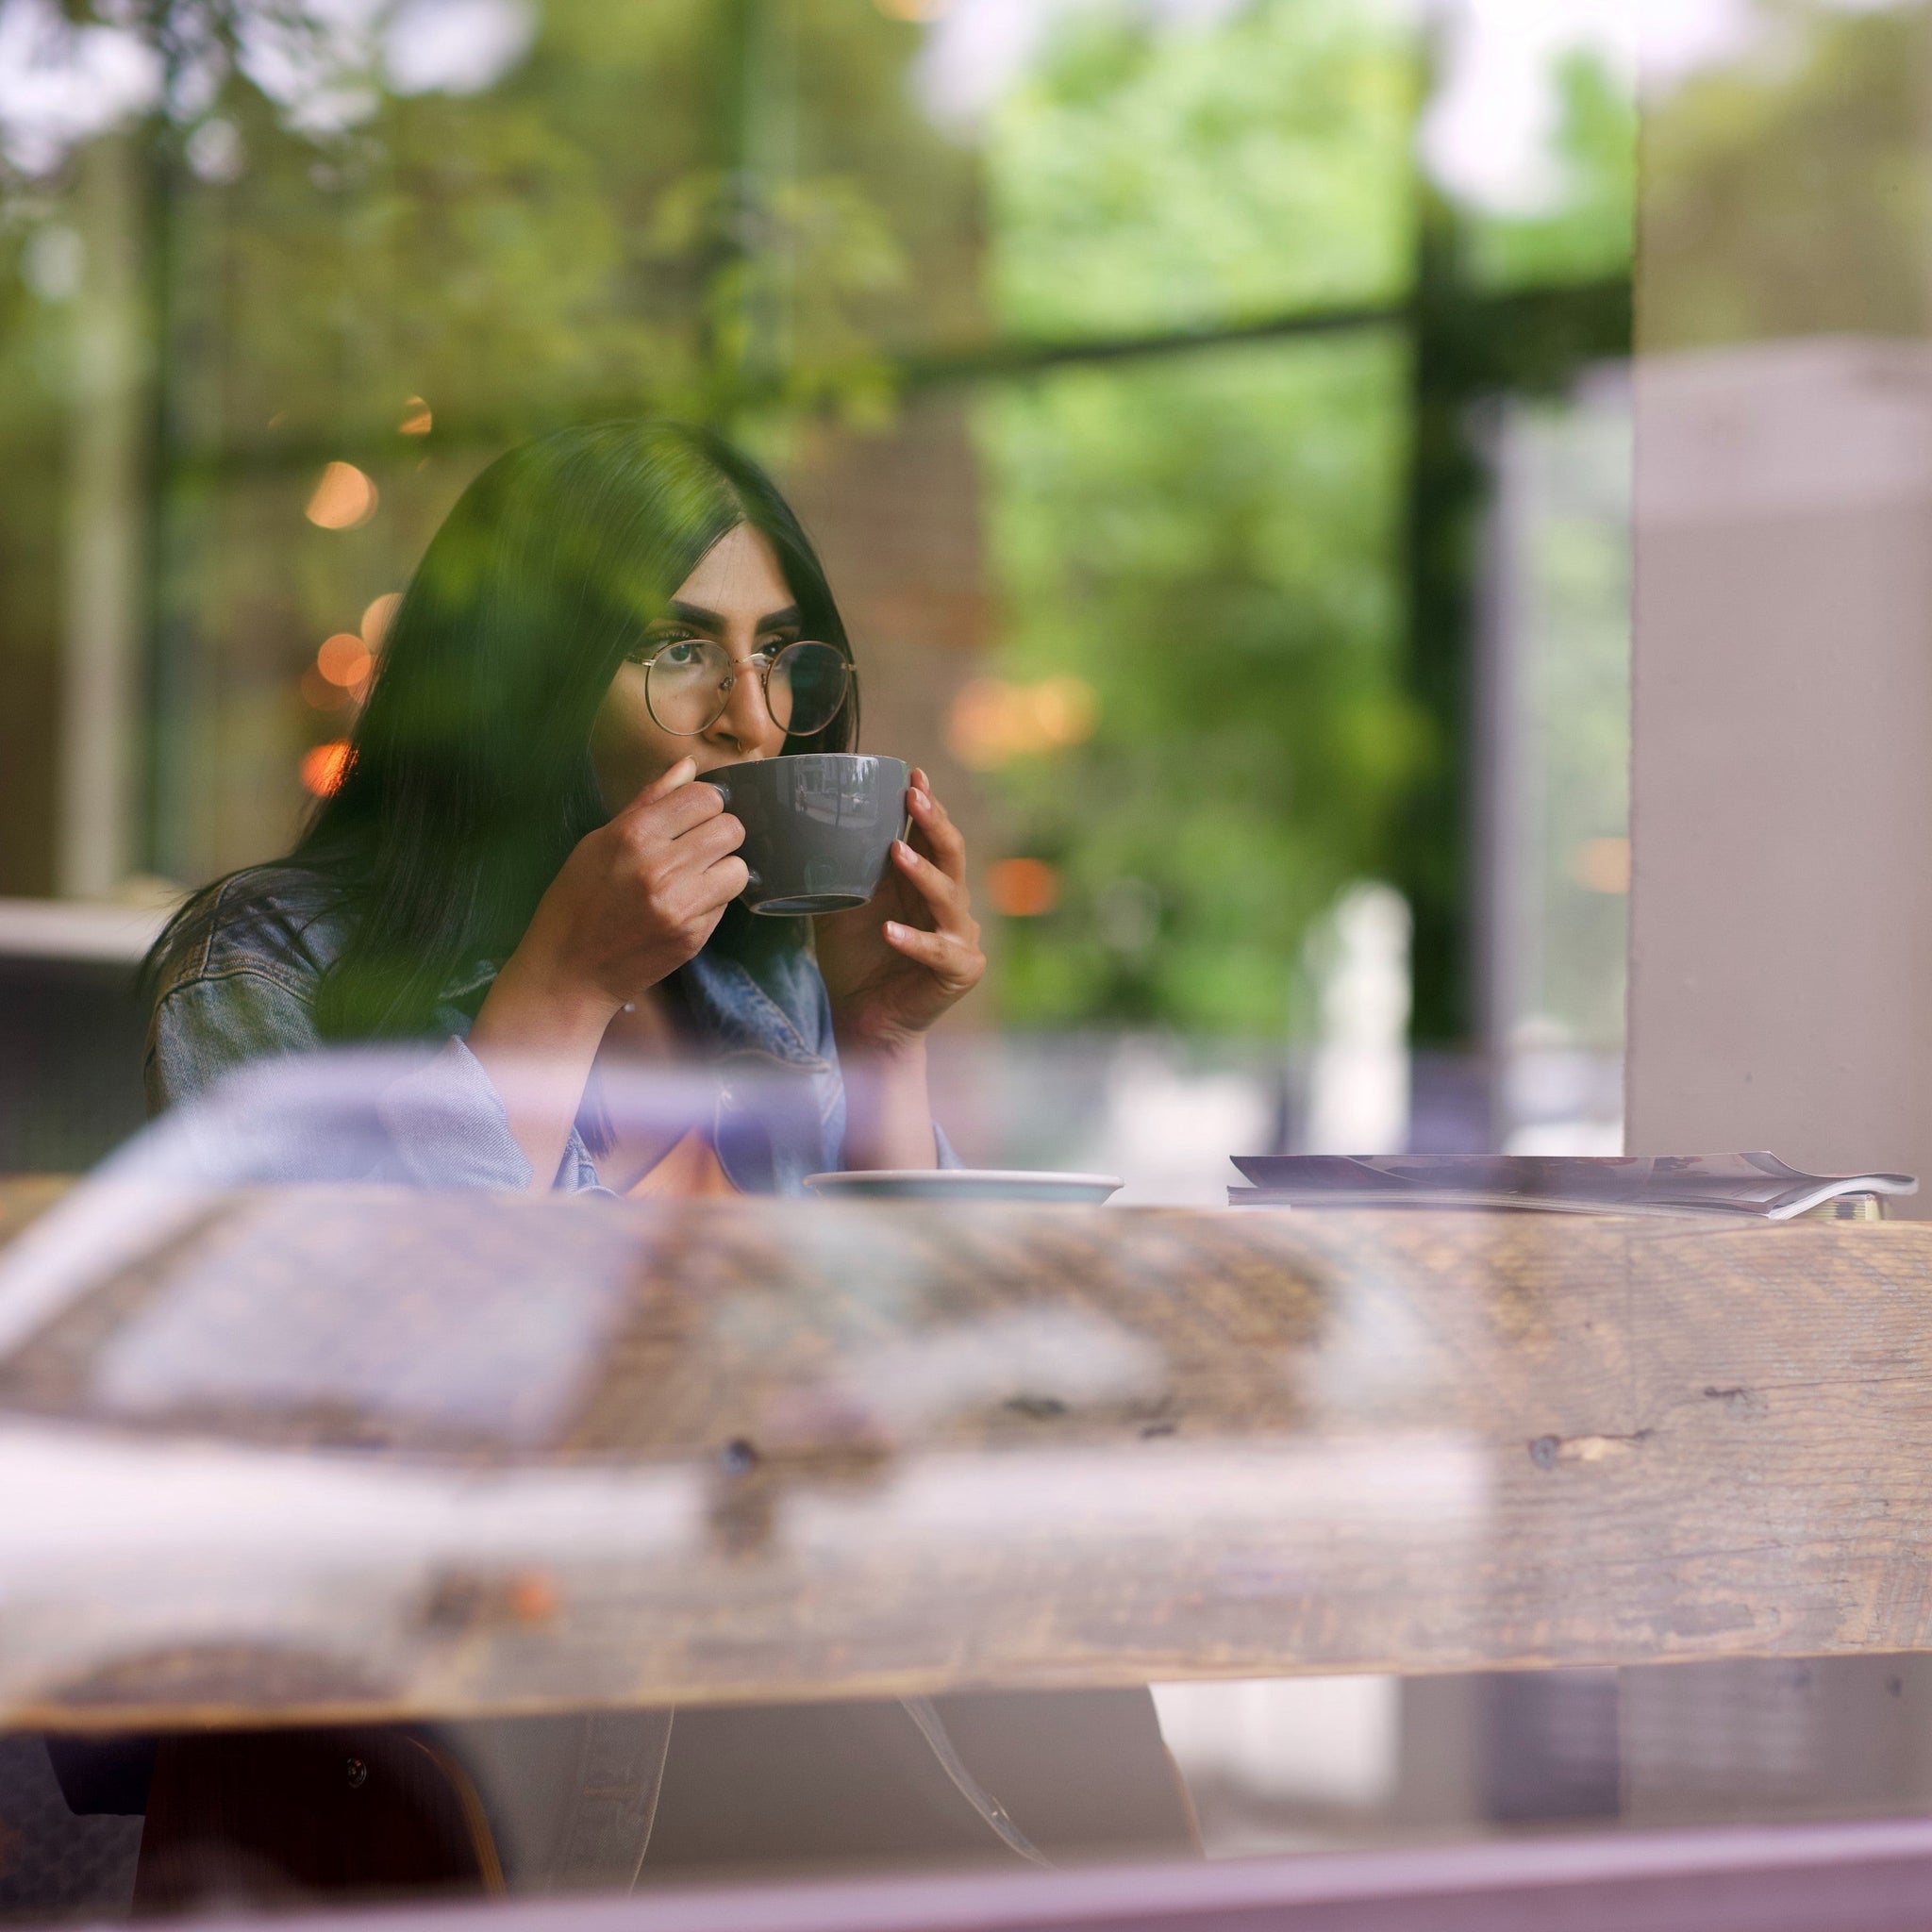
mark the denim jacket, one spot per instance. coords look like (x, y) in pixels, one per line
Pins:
(753, 1001)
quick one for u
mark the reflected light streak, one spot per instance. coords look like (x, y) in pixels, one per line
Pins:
(237, 1330)
(94, 1500)
(324, 767)
(1403, 1491)
(180, 1545)
(417, 420)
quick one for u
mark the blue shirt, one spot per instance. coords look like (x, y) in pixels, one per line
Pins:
(753, 1003)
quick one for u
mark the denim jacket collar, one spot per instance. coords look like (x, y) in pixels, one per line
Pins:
(732, 1011)
(731, 1007)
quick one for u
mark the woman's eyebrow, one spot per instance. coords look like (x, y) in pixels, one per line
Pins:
(693, 614)
(700, 618)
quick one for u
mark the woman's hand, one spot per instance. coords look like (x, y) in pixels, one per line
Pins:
(634, 901)
(636, 897)
(894, 965)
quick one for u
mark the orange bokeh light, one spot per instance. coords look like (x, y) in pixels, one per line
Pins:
(377, 619)
(319, 692)
(417, 421)
(344, 660)
(324, 767)
(343, 499)
(992, 722)
(1022, 888)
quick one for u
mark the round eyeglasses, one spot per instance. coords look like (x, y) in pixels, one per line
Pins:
(688, 684)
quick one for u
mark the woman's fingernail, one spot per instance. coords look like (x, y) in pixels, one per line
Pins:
(895, 930)
(902, 851)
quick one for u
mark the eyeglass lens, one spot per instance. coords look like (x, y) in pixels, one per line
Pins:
(689, 684)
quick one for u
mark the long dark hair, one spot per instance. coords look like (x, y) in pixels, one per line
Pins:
(469, 776)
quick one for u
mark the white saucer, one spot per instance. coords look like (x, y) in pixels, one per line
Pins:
(963, 1184)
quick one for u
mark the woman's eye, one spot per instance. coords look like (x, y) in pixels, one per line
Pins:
(681, 652)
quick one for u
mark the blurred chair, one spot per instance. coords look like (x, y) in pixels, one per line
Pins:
(71, 1033)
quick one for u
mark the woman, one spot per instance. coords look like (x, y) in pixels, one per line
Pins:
(519, 864)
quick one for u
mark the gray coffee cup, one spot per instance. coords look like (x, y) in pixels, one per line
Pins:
(818, 828)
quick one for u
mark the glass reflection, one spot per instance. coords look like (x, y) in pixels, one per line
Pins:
(1216, 420)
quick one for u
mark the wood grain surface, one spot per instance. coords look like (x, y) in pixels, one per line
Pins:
(325, 1456)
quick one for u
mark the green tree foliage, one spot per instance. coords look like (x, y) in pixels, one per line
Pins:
(705, 206)
(1145, 178)
(1209, 541)
(1787, 196)
(610, 225)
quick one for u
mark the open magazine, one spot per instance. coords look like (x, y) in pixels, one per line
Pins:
(1760, 1185)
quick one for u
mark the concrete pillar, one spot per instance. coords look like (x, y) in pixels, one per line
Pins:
(1781, 801)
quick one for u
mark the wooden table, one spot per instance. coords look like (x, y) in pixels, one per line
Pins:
(323, 1454)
